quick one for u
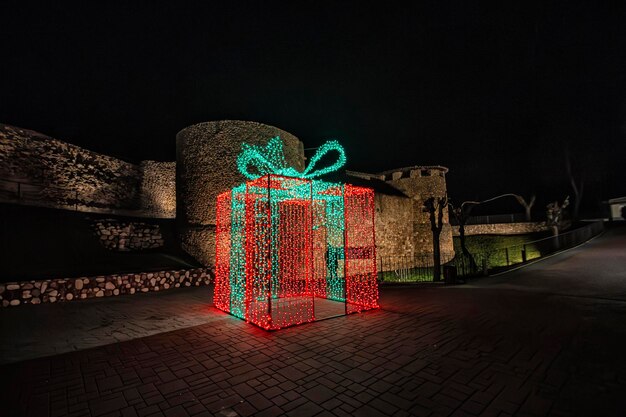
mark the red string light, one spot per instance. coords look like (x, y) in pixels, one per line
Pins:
(283, 241)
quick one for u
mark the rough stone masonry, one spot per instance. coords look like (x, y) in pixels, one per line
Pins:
(187, 189)
(128, 236)
(69, 289)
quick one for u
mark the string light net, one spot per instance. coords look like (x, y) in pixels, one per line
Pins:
(284, 242)
(360, 249)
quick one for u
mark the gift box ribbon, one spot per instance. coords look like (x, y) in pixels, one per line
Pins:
(270, 159)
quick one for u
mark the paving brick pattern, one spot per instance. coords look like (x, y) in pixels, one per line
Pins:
(430, 352)
(546, 340)
(33, 331)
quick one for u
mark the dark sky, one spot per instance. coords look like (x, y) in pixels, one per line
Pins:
(495, 91)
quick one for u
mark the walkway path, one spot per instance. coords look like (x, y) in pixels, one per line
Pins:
(49, 329)
(493, 348)
(596, 269)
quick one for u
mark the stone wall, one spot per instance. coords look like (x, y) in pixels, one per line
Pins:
(38, 170)
(403, 228)
(128, 236)
(62, 174)
(158, 188)
(69, 289)
(206, 165)
(394, 225)
(502, 228)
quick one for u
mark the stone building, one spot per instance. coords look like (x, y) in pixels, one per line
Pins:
(37, 169)
(403, 229)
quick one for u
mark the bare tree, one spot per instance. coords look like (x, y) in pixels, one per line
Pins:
(578, 186)
(434, 206)
(527, 205)
(462, 214)
(554, 215)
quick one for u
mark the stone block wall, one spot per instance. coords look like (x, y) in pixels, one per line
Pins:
(403, 230)
(206, 153)
(39, 170)
(199, 242)
(420, 183)
(158, 189)
(128, 236)
(70, 289)
(64, 174)
(502, 228)
(394, 225)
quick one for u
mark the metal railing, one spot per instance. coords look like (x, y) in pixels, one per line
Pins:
(502, 258)
(409, 268)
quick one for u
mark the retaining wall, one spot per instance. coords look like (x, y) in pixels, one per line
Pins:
(128, 236)
(71, 289)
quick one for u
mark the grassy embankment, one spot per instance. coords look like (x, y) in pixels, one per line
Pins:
(492, 247)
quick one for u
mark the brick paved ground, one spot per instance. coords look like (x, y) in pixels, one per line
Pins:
(482, 349)
(77, 325)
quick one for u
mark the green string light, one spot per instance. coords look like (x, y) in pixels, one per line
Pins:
(270, 159)
(282, 240)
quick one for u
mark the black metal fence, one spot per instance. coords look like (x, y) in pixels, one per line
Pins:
(407, 268)
(537, 248)
(410, 269)
(492, 219)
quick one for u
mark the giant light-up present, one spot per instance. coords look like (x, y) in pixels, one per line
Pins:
(288, 244)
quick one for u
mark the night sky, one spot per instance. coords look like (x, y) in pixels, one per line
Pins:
(497, 92)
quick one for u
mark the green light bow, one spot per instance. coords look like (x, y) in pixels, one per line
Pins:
(270, 159)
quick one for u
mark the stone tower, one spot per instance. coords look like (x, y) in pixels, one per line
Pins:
(206, 165)
(402, 226)
(420, 183)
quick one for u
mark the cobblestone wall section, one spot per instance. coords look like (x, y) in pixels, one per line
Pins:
(71, 289)
(128, 236)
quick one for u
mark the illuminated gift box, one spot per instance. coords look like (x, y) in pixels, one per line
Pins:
(291, 249)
